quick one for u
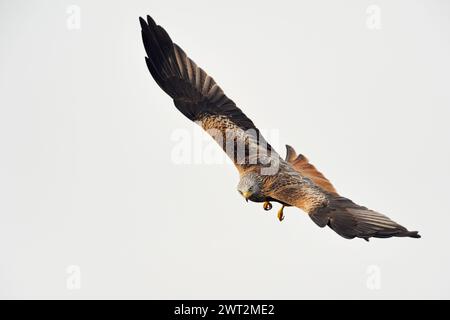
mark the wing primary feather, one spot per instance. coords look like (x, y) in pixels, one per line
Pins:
(350, 221)
(195, 94)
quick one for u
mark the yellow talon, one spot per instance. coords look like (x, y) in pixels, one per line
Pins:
(267, 205)
(281, 214)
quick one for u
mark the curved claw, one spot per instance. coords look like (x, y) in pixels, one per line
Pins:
(280, 214)
(267, 206)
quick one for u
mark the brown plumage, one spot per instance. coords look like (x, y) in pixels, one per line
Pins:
(302, 165)
(264, 175)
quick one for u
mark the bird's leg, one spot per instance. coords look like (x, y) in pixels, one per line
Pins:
(267, 205)
(280, 214)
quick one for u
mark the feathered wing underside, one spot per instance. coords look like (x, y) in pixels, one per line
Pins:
(199, 98)
(317, 197)
(351, 220)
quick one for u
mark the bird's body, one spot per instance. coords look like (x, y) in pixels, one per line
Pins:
(264, 175)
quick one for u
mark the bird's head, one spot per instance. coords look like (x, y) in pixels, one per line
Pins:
(250, 186)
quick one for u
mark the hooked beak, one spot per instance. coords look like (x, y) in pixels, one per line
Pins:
(247, 195)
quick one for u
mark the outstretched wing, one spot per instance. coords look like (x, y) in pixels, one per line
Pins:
(199, 98)
(326, 208)
(351, 220)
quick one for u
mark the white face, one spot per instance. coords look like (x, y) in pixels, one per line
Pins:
(248, 186)
(245, 188)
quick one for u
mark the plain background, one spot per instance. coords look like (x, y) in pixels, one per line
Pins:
(86, 170)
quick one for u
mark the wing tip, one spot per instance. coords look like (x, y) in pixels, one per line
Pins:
(150, 21)
(147, 24)
(413, 234)
(406, 234)
(350, 220)
(143, 23)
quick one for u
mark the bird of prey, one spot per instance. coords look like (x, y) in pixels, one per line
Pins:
(264, 175)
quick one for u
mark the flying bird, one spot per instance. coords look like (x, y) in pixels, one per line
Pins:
(265, 176)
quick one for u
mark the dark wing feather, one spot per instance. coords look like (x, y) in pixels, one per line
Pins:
(326, 208)
(342, 215)
(350, 220)
(196, 94)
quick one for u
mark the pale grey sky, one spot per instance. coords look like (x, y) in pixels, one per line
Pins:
(87, 177)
